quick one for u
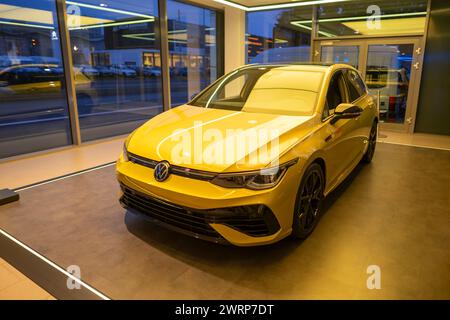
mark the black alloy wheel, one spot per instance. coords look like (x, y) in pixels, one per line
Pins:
(309, 202)
(372, 142)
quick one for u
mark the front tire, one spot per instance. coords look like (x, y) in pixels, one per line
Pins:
(309, 202)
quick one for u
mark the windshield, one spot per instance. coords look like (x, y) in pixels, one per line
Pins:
(278, 90)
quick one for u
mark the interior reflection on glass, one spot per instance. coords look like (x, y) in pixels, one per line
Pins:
(340, 54)
(192, 39)
(371, 18)
(33, 105)
(388, 72)
(273, 36)
(117, 64)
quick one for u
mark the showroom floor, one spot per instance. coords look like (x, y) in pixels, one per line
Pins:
(393, 213)
(15, 286)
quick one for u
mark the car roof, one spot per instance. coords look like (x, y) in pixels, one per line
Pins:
(303, 66)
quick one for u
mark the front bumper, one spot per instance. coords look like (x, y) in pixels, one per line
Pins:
(256, 221)
(201, 209)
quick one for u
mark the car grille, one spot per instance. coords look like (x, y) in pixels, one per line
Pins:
(253, 220)
(177, 170)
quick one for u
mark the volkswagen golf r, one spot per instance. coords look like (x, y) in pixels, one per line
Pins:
(250, 159)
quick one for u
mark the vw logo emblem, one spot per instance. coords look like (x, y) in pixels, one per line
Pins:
(162, 171)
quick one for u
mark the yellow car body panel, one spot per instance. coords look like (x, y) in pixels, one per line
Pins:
(338, 146)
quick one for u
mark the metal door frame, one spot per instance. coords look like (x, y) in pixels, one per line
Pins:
(414, 82)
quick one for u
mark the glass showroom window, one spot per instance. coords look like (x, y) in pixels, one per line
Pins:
(33, 105)
(116, 64)
(192, 34)
(371, 18)
(275, 36)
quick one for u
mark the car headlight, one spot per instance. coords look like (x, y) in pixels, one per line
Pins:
(256, 180)
(125, 146)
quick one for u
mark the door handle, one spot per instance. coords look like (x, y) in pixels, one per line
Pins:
(328, 138)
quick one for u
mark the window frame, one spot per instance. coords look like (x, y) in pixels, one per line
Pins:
(346, 93)
(348, 83)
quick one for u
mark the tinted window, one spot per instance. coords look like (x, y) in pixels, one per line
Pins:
(33, 104)
(335, 94)
(193, 46)
(113, 45)
(278, 35)
(355, 85)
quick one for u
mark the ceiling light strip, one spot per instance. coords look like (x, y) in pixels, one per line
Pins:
(326, 34)
(26, 25)
(232, 4)
(277, 6)
(112, 24)
(84, 5)
(382, 16)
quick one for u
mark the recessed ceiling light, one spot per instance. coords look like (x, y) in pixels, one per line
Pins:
(277, 6)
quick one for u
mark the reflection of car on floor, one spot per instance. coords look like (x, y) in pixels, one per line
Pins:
(43, 82)
(123, 70)
(250, 159)
(393, 86)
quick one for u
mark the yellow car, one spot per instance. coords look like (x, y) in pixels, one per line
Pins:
(250, 159)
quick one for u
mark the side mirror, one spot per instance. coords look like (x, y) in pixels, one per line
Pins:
(346, 111)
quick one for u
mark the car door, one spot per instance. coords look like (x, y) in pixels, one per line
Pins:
(358, 96)
(339, 147)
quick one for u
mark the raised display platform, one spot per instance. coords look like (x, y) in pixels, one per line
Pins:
(393, 213)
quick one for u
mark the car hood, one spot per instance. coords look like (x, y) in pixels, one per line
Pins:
(218, 140)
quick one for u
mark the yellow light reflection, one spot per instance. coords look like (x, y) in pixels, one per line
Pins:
(389, 26)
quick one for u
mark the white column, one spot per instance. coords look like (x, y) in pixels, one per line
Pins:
(234, 38)
(234, 42)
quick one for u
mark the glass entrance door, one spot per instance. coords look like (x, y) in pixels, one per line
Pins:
(348, 54)
(390, 68)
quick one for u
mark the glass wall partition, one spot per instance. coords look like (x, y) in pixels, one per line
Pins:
(116, 67)
(193, 49)
(388, 72)
(390, 67)
(117, 64)
(371, 18)
(277, 36)
(33, 104)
